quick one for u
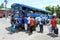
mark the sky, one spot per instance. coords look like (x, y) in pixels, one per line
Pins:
(41, 4)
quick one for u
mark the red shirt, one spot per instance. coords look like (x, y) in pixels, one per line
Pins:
(31, 21)
(53, 22)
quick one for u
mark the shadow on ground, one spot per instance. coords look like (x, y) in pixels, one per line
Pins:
(9, 29)
(52, 35)
(15, 31)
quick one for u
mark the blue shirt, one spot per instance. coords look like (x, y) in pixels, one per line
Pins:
(25, 20)
(19, 20)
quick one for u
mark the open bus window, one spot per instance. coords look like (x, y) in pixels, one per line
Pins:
(30, 12)
(22, 8)
(17, 12)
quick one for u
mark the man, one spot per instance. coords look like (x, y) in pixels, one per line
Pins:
(41, 25)
(38, 19)
(13, 21)
(28, 18)
(53, 23)
(34, 24)
(25, 23)
(19, 20)
(31, 25)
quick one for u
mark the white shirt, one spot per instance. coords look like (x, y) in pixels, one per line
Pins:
(28, 20)
(38, 19)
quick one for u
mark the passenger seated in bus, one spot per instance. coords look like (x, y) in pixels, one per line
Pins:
(23, 14)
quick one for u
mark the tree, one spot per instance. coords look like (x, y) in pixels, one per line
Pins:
(58, 10)
(49, 8)
(1, 6)
(54, 9)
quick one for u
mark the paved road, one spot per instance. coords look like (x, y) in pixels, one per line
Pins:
(5, 33)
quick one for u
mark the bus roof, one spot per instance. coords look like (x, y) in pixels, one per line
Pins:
(22, 5)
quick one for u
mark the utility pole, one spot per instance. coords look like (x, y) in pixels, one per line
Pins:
(5, 8)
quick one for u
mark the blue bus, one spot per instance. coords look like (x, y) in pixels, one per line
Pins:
(29, 11)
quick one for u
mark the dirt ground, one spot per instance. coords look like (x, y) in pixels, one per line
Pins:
(5, 33)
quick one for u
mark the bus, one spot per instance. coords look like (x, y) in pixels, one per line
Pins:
(29, 11)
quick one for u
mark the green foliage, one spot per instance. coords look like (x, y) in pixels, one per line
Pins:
(58, 11)
(49, 8)
(1, 6)
(53, 9)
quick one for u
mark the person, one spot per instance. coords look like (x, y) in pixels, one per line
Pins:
(38, 19)
(19, 20)
(28, 18)
(43, 19)
(23, 15)
(25, 23)
(46, 18)
(48, 22)
(34, 28)
(13, 23)
(53, 23)
(31, 25)
(41, 25)
(12, 20)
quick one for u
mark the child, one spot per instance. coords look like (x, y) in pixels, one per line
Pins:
(49, 25)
